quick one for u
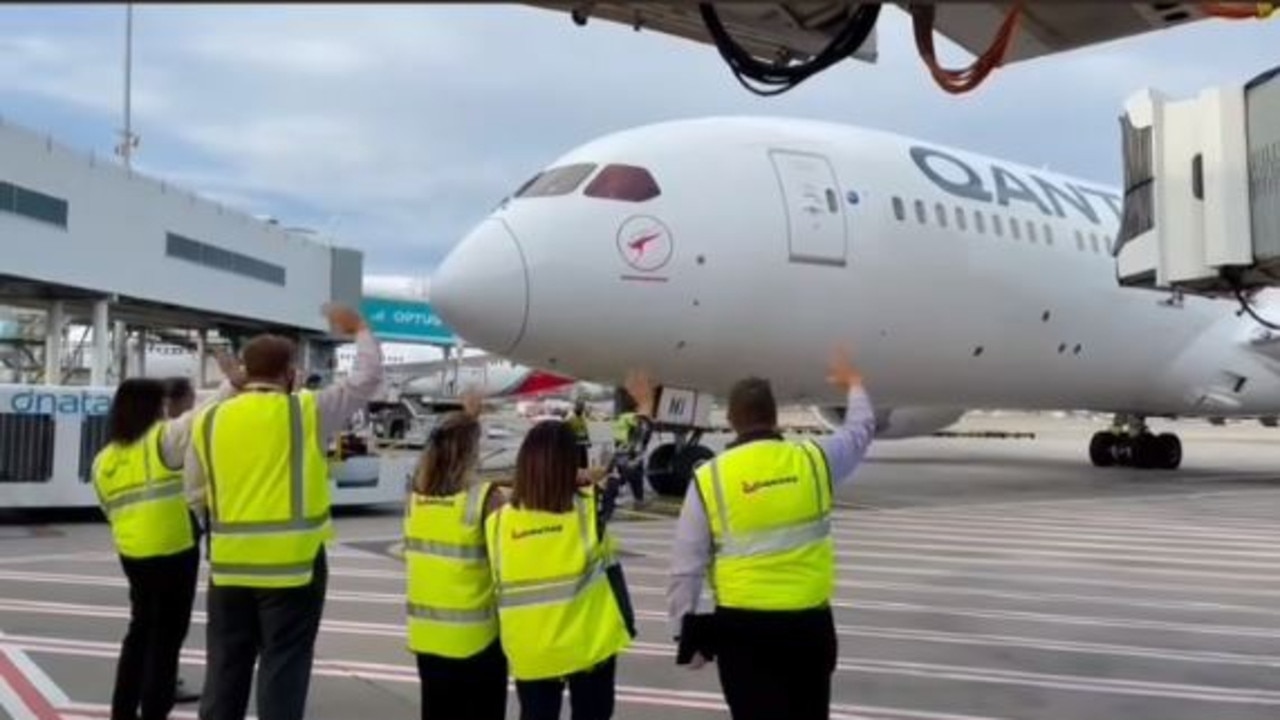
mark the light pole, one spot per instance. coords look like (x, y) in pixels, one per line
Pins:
(128, 141)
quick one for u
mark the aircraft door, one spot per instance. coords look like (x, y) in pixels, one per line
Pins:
(816, 223)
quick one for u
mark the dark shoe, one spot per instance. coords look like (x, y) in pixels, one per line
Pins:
(182, 695)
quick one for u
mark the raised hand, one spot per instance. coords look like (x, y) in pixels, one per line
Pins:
(342, 319)
(640, 387)
(230, 368)
(841, 371)
(472, 402)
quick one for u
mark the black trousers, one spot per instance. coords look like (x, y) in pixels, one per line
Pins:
(280, 625)
(633, 476)
(473, 688)
(776, 664)
(161, 593)
(590, 694)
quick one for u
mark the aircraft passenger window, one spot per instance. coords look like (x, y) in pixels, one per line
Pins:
(1106, 243)
(1080, 241)
(960, 217)
(831, 201)
(1048, 235)
(941, 213)
(920, 217)
(1014, 232)
(997, 225)
(557, 181)
(978, 222)
(624, 182)
(1093, 240)
(1031, 231)
(899, 209)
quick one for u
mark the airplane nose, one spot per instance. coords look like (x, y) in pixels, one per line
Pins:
(481, 290)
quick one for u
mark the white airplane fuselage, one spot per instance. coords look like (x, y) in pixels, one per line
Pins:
(770, 241)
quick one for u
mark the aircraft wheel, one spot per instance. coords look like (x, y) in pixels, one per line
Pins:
(1169, 449)
(1102, 449)
(670, 472)
(660, 470)
(1148, 452)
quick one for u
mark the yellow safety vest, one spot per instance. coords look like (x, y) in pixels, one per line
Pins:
(557, 614)
(268, 488)
(622, 428)
(769, 506)
(143, 498)
(451, 609)
(578, 424)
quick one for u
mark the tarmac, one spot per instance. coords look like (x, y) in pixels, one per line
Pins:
(979, 579)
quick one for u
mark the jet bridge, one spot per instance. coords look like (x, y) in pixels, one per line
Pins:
(89, 241)
(1202, 190)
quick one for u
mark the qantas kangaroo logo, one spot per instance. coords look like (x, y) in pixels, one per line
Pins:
(644, 243)
(641, 244)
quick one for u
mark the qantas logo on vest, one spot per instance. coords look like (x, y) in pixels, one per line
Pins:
(751, 487)
(544, 530)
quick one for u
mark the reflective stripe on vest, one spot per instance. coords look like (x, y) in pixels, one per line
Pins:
(142, 498)
(450, 601)
(557, 611)
(260, 552)
(769, 504)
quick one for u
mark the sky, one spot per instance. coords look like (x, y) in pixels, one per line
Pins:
(395, 128)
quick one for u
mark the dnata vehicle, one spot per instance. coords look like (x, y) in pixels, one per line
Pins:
(706, 250)
(49, 436)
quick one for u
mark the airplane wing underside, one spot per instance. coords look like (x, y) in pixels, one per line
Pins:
(802, 29)
(1052, 28)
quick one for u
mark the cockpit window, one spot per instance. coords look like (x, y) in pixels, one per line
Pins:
(623, 182)
(556, 181)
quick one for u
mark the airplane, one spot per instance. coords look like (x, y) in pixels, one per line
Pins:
(997, 34)
(492, 377)
(963, 282)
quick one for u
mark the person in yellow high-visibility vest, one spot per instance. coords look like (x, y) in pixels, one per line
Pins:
(137, 476)
(757, 518)
(259, 460)
(563, 610)
(578, 423)
(452, 618)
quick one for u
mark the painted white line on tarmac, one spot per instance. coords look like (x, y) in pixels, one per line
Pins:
(640, 695)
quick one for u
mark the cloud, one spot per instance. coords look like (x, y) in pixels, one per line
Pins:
(396, 128)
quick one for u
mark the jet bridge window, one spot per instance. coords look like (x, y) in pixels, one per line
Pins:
(556, 181)
(623, 182)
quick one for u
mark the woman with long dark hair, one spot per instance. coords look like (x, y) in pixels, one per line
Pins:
(138, 479)
(452, 621)
(564, 614)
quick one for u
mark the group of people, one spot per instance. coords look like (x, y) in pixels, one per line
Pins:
(521, 581)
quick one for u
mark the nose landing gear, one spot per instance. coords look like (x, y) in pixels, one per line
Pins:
(1130, 443)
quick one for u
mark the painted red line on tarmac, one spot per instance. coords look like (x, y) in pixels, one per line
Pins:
(30, 695)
